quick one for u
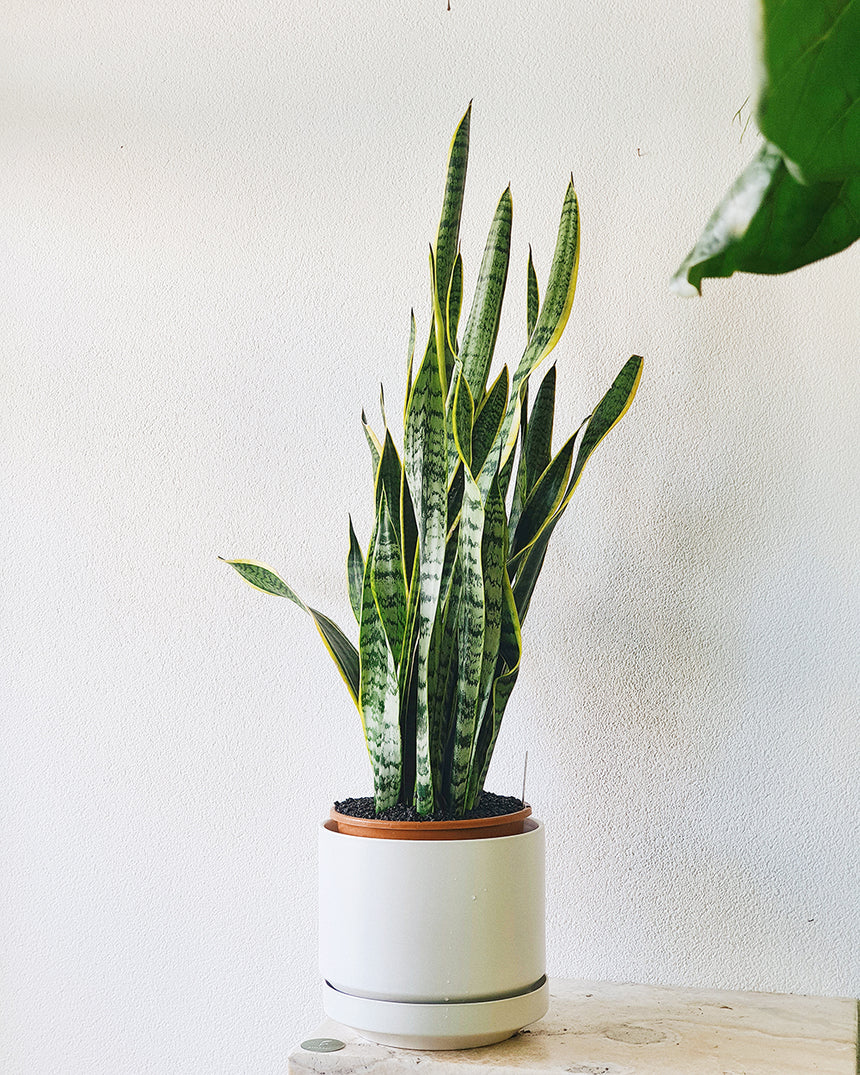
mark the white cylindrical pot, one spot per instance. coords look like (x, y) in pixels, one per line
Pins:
(433, 944)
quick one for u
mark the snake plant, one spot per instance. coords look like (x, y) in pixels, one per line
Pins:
(463, 518)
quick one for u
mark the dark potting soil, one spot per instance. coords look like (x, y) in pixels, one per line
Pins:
(489, 805)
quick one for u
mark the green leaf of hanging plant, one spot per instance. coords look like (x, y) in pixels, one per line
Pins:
(809, 100)
(769, 223)
(482, 327)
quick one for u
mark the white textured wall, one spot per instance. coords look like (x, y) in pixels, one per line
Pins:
(214, 224)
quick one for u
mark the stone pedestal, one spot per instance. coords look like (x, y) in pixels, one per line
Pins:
(598, 1028)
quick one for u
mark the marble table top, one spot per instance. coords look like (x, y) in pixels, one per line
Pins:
(599, 1028)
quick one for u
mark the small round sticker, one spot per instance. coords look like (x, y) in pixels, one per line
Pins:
(323, 1045)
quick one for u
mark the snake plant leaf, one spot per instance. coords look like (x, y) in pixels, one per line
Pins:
(378, 695)
(606, 415)
(388, 583)
(808, 100)
(410, 636)
(494, 552)
(532, 297)
(542, 503)
(488, 419)
(482, 326)
(552, 318)
(463, 415)
(510, 652)
(453, 305)
(470, 640)
(538, 442)
(355, 572)
(388, 479)
(520, 482)
(372, 442)
(408, 528)
(409, 360)
(455, 499)
(342, 651)
(448, 235)
(769, 223)
(426, 469)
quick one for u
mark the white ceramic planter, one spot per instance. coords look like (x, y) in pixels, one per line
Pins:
(433, 944)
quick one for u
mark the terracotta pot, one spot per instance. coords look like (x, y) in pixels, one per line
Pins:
(464, 829)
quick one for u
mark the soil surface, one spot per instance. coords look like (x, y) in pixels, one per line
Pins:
(489, 805)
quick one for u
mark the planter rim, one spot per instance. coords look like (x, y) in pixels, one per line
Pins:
(476, 828)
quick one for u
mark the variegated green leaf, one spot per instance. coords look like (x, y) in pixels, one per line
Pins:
(453, 305)
(532, 297)
(378, 694)
(372, 443)
(494, 550)
(507, 670)
(470, 640)
(488, 419)
(388, 583)
(606, 415)
(519, 496)
(482, 327)
(448, 236)
(542, 503)
(355, 572)
(538, 442)
(426, 469)
(409, 360)
(408, 528)
(388, 477)
(552, 319)
(342, 651)
(463, 414)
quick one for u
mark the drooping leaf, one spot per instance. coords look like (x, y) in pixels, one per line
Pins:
(342, 651)
(769, 223)
(482, 326)
(355, 572)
